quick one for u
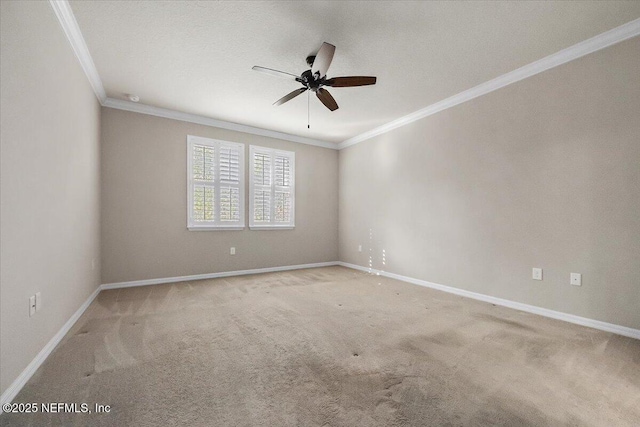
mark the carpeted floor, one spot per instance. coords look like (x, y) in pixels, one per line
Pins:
(330, 347)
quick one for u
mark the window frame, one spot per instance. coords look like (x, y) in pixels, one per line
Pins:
(272, 225)
(215, 225)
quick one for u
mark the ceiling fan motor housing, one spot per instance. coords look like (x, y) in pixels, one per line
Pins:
(310, 81)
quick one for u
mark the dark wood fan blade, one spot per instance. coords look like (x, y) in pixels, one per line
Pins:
(326, 98)
(276, 73)
(350, 81)
(323, 59)
(289, 96)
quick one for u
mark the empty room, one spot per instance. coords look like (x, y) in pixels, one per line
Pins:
(322, 213)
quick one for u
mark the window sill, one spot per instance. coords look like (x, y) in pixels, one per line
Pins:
(210, 228)
(272, 227)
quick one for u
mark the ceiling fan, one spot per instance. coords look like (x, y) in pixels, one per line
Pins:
(315, 78)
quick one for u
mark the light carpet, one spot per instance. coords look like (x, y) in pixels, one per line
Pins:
(329, 347)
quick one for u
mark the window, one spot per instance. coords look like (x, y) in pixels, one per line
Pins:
(271, 189)
(215, 176)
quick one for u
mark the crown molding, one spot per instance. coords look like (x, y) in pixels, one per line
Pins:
(69, 24)
(63, 12)
(71, 29)
(136, 107)
(601, 41)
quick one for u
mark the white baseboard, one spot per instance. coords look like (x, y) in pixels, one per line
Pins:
(159, 281)
(11, 392)
(596, 324)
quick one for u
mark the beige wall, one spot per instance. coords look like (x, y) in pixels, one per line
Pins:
(542, 173)
(144, 212)
(50, 183)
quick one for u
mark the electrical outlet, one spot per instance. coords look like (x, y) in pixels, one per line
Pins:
(93, 264)
(232, 251)
(32, 305)
(359, 248)
(38, 301)
(536, 274)
(576, 279)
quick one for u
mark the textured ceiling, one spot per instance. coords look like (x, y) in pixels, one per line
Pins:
(196, 57)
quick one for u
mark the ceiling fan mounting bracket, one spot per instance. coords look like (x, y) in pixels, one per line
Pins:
(310, 60)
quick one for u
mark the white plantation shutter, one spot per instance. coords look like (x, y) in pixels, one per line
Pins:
(282, 170)
(203, 201)
(230, 184)
(272, 188)
(283, 207)
(261, 206)
(229, 164)
(262, 169)
(261, 195)
(283, 196)
(229, 204)
(203, 172)
(215, 175)
(203, 163)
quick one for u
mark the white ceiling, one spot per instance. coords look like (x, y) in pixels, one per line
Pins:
(196, 57)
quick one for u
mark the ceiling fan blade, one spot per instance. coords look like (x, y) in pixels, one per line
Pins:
(326, 98)
(289, 96)
(276, 73)
(350, 81)
(323, 59)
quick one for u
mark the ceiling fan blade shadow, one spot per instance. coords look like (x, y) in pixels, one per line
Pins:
(350, 81)
(276, 73)
(289, 96)
(323, 59)
(325, 97)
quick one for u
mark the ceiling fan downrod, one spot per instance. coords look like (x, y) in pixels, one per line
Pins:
(308, 113)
